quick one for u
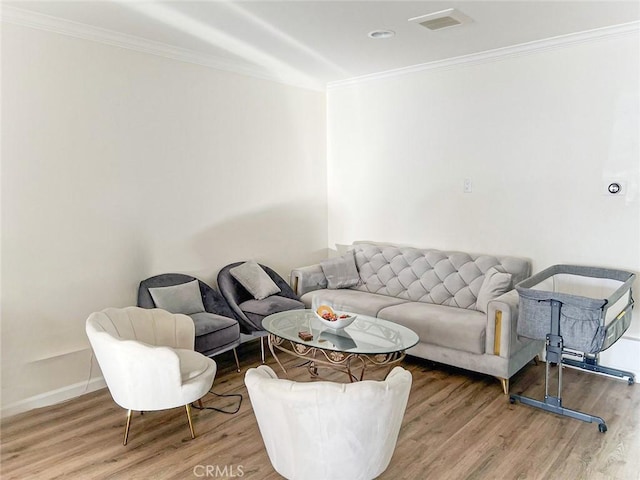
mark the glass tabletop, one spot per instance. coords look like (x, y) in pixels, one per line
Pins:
(366, 335)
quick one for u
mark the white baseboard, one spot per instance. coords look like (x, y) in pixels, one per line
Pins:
(67, 393)
(52, 397)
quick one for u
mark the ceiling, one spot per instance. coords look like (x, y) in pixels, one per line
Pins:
(326, 41)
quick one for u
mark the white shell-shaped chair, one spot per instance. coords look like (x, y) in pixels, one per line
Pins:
(326, 430)
(148, 361)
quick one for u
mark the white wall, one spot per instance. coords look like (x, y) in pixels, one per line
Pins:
(535, 133)
(118, 165)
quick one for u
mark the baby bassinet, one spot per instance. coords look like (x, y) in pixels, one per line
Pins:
(578, 325)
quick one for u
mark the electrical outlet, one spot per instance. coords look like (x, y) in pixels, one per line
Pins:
(468, 185)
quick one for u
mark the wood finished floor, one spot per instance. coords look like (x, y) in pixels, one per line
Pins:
(458, 425)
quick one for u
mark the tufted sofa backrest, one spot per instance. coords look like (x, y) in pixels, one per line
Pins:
(428, 275)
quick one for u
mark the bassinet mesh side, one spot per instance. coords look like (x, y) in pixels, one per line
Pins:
(582, 319)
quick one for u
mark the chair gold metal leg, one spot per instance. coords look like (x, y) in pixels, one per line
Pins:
(235, 354)
(126, 429)
(188, 407)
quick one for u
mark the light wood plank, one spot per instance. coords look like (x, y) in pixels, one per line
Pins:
(458, 425)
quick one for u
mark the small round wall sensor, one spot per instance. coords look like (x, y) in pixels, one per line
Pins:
(614, 188)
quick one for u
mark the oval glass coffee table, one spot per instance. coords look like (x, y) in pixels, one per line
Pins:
(367, 341)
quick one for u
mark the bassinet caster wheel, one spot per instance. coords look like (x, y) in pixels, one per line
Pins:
(631, 381)
(602, 427)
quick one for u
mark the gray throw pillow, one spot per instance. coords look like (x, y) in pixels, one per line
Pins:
(495, 284)
(184, 298)
(341, 272)
(257, 282)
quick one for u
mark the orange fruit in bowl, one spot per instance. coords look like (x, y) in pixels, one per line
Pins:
(322, 309)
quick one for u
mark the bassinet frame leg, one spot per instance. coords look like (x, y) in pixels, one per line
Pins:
(553, 404)
(591, 364)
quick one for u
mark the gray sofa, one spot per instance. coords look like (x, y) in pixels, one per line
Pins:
(454, 301)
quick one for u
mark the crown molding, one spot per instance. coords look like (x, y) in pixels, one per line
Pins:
(26, 18)
(528, 48)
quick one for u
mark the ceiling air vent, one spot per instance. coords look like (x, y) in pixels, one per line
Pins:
(443, 19)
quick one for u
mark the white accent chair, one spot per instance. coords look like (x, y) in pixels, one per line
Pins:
(325, 430)
(148, 361)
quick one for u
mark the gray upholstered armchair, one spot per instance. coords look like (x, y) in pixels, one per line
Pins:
(249, 310)
(217, 329)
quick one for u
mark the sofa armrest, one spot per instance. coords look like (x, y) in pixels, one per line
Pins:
(307, 279)
(502, 321)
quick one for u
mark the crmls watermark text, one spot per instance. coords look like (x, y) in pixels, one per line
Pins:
(213, 471)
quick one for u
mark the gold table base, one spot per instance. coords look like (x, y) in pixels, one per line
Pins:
(342, 361)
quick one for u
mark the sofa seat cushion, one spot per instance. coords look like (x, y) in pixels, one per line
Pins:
(256, 310)
(450, 327)
(269, 305)
(349, 300)
(192, 364)
(214, 331)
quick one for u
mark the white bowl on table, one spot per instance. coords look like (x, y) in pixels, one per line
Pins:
(339, 323)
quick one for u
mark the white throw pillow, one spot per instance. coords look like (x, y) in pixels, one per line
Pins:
(495, 284)
(257, 282)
